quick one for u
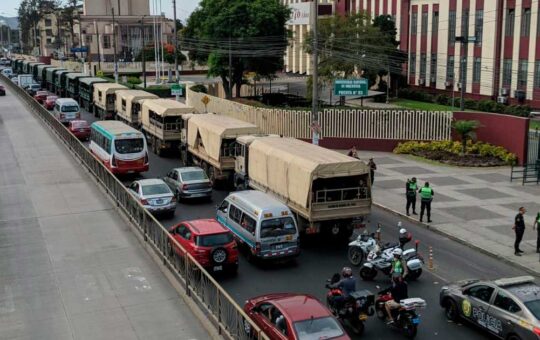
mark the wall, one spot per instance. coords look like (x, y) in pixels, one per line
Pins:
(507, 131)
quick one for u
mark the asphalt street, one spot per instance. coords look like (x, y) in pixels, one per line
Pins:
(321, 258)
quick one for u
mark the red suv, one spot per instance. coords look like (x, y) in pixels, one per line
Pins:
(211, 244)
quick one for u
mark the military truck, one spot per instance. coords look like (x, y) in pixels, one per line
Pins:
(60, 82)
(86, 92)
(162, 123)
(105, 98)
(212, 143)
(40, 75)
(329, 192)
(72, 84)
(129, 104)
(50, 75)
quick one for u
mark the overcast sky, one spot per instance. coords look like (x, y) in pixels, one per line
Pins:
(8, 8)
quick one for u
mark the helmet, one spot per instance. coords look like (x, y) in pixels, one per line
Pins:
(402, 231)
(346, 272)
(397, 252)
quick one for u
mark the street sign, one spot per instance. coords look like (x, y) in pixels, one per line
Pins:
(99, 73)
(351, 87)
(176, 90)
(79, 49)
(205, 100)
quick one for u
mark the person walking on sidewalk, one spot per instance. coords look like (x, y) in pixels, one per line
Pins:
(536, 225)
(519, 228)
(352, 152)
(426, 196)
(372, 168)
(410, 192)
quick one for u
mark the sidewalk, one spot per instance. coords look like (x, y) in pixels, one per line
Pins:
(474, 205)
(70, 267)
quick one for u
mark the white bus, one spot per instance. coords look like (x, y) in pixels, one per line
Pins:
(120, 147)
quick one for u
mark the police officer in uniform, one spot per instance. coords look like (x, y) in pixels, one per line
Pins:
(426, 196)
(410, 193)
(519, 228)
(536, 225)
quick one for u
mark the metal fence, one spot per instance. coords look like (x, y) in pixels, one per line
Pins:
(533, 147)
(224, 313)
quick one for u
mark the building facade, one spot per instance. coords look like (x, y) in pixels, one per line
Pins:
(53, 37)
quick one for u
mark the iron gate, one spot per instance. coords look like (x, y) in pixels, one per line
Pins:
(533, 150)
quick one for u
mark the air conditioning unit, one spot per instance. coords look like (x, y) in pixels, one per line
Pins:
(422, 81)
(504, 91)
(502, 100)
(448, 84)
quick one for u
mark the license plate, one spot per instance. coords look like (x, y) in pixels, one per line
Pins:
(217, 268)
(159, 201)
(288, 238)
(278, 246)
(362, 317)
(416, 321)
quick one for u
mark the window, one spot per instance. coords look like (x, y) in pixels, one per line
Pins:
(424, 23)
(48, 22)
(481, 292)
(451, 27)
(465, 23)
(504, 302)
(537, 74)
(423, 65)
(435, 24)
(235, 214)
(509, 27)
(507, 72)
(48, 32)
(414, 23)
(462, 70)
(123, 104)
(248, 223)
(131, 145)
(433, 68)
(526, 22)
(479, 26)
(106, 41)
(277, 227)
(450, 68)
(88, 39)
(477, 69)
(224, 207)
(522, 73)
(412, 64)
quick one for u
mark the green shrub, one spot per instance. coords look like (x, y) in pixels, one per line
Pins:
(443, 99)
(199, 88)
(486, 105)
(134, 80)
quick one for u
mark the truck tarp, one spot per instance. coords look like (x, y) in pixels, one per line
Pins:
(212, 129)
(288, 166)
(105, 89)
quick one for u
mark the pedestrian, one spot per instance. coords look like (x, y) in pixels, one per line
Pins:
(536, 225)
(352, 152)
(372, 168)
(410, 193)
(519, 228)
(426, 196)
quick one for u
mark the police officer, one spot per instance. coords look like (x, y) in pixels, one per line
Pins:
(519, 228)
(536, 225)
(410, 193)
(426, 196)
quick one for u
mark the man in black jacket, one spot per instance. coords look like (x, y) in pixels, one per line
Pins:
(519, 228)
(399, 292)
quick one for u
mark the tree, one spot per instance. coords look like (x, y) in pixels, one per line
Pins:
(168, 54)
(252, 32)
(466, 129)
(30, 12)
(69, 15)
(387, 26)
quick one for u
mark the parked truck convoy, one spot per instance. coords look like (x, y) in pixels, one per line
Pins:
(104, 99)
(163, 122)
(129, 106)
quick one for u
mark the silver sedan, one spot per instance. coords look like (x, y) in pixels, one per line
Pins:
(154, 195)
(189, 182)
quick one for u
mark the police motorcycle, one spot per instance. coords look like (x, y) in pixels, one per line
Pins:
(354, 310)
(406, 319)
(381, 260)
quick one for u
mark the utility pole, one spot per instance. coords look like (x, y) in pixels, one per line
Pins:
(230, 61)
(114, 46)
(98, 49)
(175, 44)
(143, 52)
(315, 88)
(464, 45)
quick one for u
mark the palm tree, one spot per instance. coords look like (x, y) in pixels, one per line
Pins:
(466, 129)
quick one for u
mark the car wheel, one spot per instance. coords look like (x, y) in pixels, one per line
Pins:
(356, 256)
(513, 337)
(451, 310)
(219, 255)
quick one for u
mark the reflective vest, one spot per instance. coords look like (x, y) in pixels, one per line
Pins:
(397, 267)
(426, 193)
(413, 186)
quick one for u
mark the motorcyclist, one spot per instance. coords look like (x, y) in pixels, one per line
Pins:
(399, 266)
(347, 285)
(399, 292)
(404, 235)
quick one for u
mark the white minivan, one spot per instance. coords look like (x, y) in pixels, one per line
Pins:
(261, 223)
(66, 110)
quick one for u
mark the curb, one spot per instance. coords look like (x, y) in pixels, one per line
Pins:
(457, 239)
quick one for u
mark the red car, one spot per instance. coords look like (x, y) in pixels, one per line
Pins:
(211, 244)
(49, 102)
(80, 129)
(40, 96)
(288, 316)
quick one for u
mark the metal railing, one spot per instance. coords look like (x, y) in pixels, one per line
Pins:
(225, 314)
(338, 195)
(529, 173)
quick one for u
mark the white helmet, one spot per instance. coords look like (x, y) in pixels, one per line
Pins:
(402, 231)
(397, 252)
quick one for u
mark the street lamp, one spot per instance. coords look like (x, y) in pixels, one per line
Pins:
(143, 52)
(464, 44)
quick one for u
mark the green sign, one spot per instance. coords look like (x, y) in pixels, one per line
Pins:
(351, 87)
(176, 90)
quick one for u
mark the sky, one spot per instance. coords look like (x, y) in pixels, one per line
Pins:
(8, 8)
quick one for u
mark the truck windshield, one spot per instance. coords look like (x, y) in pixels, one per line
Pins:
(132, 145)
(70, 108)
(277, 227)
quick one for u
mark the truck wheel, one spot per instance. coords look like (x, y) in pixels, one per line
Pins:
(211, 174)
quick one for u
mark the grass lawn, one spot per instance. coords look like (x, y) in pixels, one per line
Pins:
(416, 105)
(534, 124)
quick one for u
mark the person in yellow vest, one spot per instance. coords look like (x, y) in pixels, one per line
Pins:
(536, 225)
(426, 196)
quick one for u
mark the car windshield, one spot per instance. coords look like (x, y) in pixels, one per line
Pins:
(194, 176)
(322, 328)
(132, 145)
(278, 227)
(155, 189)
(79, 124)
(70, 108)
(214, 240)
(534, 307)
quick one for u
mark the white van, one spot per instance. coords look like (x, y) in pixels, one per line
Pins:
(66, 110)
(7, 72)
(261, 223)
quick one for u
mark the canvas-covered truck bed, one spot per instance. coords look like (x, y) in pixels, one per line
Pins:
(319, 184)
(212, 142)
(128, 105)
(104, 99)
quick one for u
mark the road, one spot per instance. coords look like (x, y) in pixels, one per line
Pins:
(320, 259)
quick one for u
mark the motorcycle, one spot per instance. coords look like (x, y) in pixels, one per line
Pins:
(381, 260)
(405, 317)
(355, 310)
